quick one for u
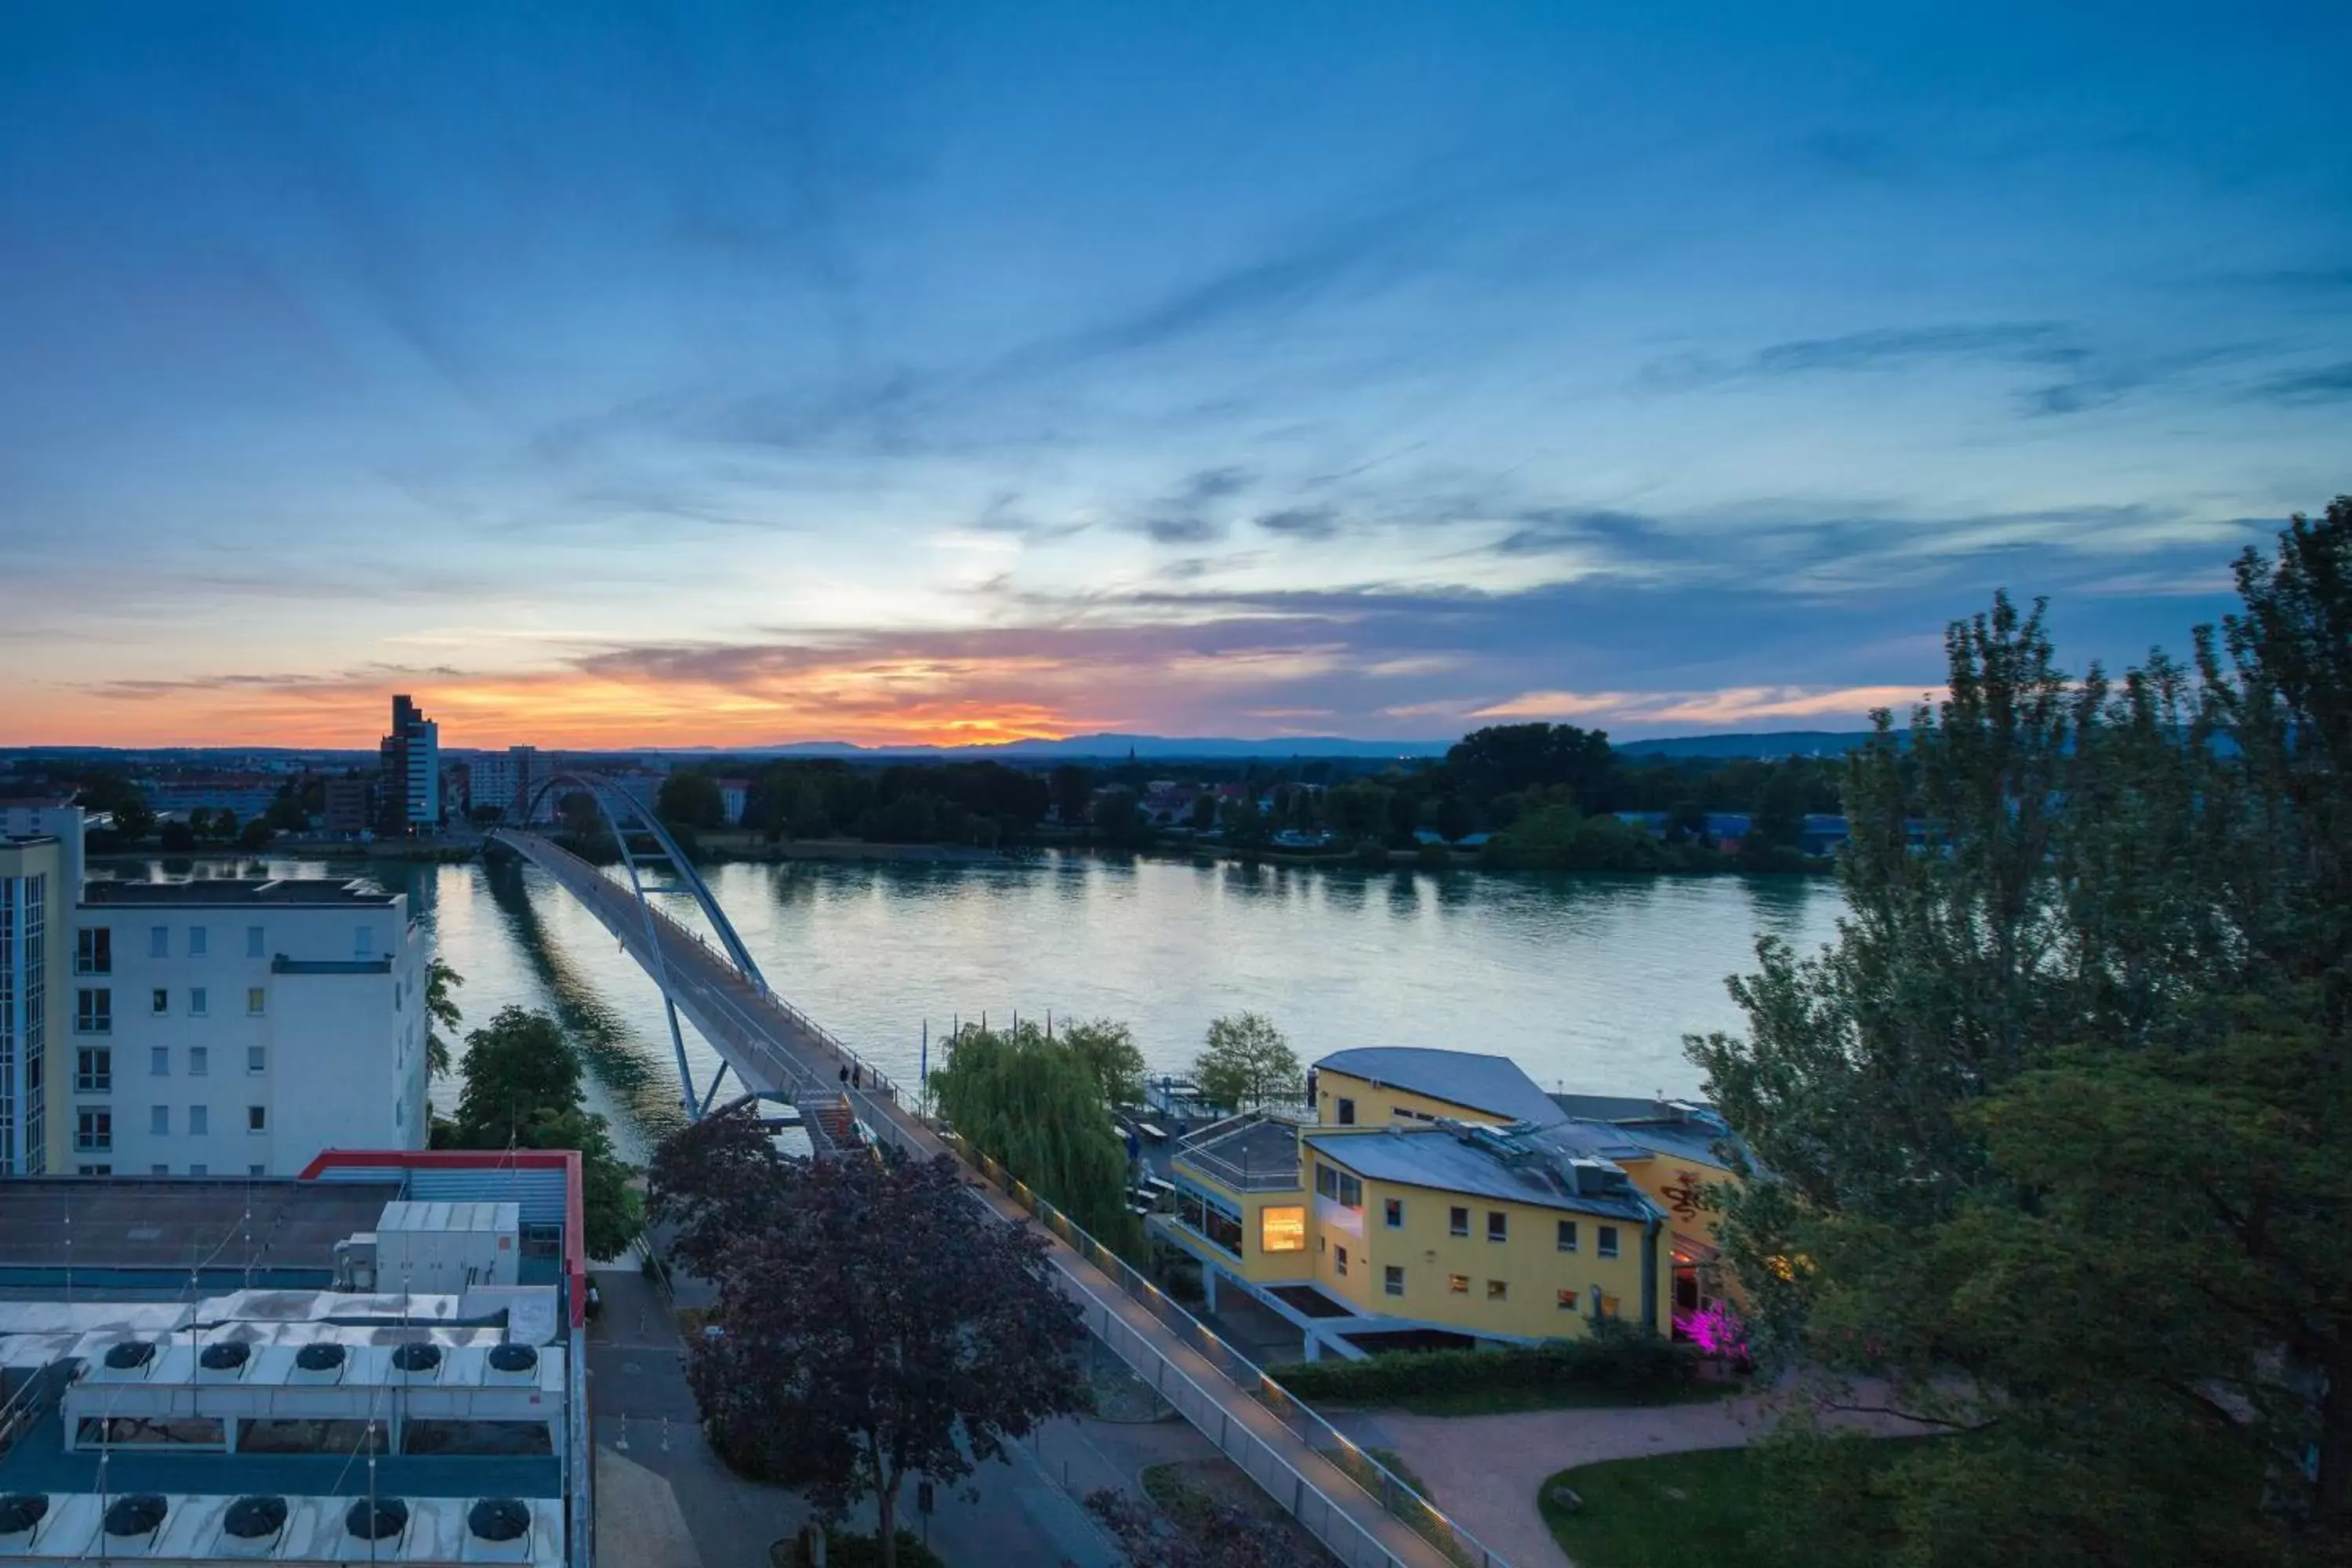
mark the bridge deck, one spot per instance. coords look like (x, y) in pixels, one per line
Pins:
(773, 1046)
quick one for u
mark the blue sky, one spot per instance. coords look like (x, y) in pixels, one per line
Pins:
(726, 373)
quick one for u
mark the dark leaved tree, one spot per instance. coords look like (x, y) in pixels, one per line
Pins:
(882, 1325)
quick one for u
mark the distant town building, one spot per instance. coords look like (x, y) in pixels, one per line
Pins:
(239, 1027)
(35, 996)
(249, 794)
(457, 789)
(408, 792)
(350, 805)
(733, 795)
(508, 778)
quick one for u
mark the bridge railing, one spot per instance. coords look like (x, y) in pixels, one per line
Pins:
(1330, 1524)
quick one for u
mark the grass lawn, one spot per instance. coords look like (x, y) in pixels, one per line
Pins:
(1677, 1511)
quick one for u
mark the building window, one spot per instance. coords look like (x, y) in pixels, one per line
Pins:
(1567, 1235)
(1338, 1186)
(199, 1121)
(196, 941)
(93, 1069)
(93, 1012)
(159, 1121)
(94, 951)
(1608, 1305)
(253, 942)
(257, 1170)
(1497, 1290)
(1608, 1246)
(1567, 1301)
(256, 1058)
(94, 1130)
(93, 1170)
(159, 1061)
(257, 1119)
(1393, 1209)
(1282, 1227)
(1457, 1220)
(159, 941)
(1498, 1225)
(1339, 1261)
(199, 1061)
(196, 1000)
(1347, 1112)
(1393, 1280)
(253, 999)
(159, 1002)
(1459, 1284)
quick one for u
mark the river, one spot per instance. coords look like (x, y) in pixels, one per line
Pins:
(1588, 982)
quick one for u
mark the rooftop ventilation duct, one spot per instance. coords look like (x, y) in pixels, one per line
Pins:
(319, 1357)
(499, 1518)
(378, 1521)
(416, 1357)
(129, 1354)
(20, 1511)
(514, 1357)
(226, 1356)
(139, 1514)
(255, 1517)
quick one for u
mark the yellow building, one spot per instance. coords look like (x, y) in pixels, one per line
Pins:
(1441, 1197)
(35, 1003)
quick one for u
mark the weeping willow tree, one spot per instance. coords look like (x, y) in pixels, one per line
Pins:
(1037, 1105)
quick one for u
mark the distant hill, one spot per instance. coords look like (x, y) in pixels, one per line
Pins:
(1775, 743)
(1119, 746)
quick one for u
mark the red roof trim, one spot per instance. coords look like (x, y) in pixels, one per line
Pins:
(575, 1254)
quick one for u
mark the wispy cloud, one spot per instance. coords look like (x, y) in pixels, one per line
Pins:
(2328, 384)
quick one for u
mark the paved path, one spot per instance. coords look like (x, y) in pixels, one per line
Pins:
(1487, 1470)
(773, 1047)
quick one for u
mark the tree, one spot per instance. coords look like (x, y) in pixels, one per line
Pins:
(1559, 837)
(714, 1182)
(223, 825)
(882, 1324)
(441, 1013)
(1038, 1105)
(1072, 789)
(1357, 811)
(2058, 1130)
(1405, 818)
(1119, 819)
(177, 837)
(1504, 759)
(1202, 812)
(256, 835)
(692, 799)
(522, 1090)
(1245, 1062)
(1108, 1047)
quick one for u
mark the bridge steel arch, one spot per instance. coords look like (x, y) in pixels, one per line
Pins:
(623, 817)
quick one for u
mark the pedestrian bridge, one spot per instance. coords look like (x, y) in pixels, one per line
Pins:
(1368, 1517)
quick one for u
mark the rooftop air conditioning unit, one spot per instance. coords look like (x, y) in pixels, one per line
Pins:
(22, 1514)
(322, 1362)
(252, 1527)
(499, 1530)
(511, 1364)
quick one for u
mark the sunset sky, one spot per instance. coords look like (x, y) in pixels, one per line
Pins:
(739, 374)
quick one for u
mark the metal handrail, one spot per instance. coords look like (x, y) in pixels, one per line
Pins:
(1396, 1497)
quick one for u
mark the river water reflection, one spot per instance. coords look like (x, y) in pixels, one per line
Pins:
(1587, 982)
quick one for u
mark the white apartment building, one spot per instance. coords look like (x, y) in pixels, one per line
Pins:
(505, 779)
(235, 1028)
(43, 817)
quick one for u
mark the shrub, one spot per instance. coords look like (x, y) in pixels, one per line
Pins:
(1616, 1358)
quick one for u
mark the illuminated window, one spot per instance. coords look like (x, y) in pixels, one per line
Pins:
(1567, 1301)
(1282, 1229)
(1608, 1305)
(1459, 1283)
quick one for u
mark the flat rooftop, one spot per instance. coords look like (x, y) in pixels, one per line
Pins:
(227, 893)
(127, 1222)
